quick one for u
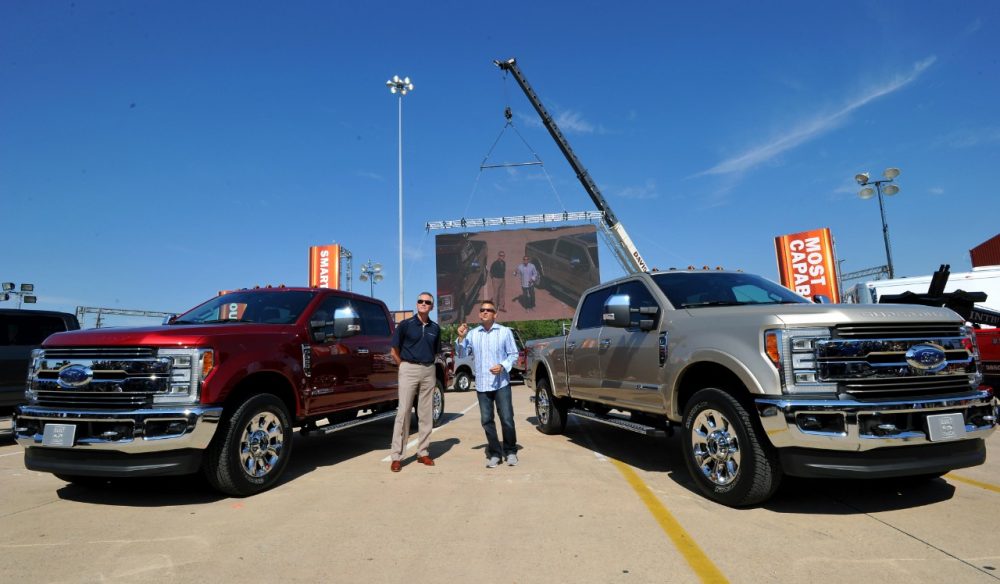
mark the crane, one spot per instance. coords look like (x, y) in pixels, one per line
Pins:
(626, 251)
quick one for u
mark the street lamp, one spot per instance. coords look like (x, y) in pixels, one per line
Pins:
(371, 273)
(867, 192)
(400, 87)
(26, 294)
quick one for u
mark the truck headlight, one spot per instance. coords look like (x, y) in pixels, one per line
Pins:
(189, 368)
(793, 353)
(33, 364)
(970, 344)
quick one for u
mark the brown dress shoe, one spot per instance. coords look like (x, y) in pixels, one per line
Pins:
(425, 460)
(396, 466)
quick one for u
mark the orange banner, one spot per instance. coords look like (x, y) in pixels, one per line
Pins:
(807, 265)
(324, 266)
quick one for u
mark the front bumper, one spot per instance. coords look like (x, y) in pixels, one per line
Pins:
(129, 432)
(847, 438)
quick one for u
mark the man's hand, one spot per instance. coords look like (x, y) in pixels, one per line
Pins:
(496, 369)
(463, 329)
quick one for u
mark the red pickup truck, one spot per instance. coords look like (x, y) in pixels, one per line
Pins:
(217, 389)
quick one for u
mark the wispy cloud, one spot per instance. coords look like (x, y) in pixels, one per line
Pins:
(936, 191)
(815, 126)
(646, 190)
(968, 138)
(974, 27)
(569, 121)
(371, 175)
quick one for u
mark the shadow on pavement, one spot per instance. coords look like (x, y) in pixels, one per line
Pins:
(141, 492)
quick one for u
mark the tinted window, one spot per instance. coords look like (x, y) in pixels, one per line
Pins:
(373, 319)
(592, 310)
(695, 289)
(270, 307)
(544, 246)
(25, 329)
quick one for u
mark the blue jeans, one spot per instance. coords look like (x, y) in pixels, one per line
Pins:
(504, 407)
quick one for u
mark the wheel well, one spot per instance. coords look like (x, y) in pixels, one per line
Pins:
(464, 369)
(541, 373)
(264, 382)
(702, 375)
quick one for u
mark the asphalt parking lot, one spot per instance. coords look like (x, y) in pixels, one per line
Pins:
(595, 505)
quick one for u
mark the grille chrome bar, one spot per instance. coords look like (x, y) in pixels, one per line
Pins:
(898, 330)
(100, 353)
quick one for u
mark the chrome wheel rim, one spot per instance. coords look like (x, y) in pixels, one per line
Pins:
(715, 447)
(464, 382)
(436, 407)
(261, 444)
(542, 406)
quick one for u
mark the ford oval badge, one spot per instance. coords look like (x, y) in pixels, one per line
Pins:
(75, 376)
(927, 358)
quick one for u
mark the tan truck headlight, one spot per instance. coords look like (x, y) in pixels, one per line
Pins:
(793, 353)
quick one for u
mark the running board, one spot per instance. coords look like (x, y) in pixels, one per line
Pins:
(618, 422)
(331, 428)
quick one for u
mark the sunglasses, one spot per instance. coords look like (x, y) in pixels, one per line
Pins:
(427, 302)
(487, 310)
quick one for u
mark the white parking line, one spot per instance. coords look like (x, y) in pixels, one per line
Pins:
(413, 442)
(12, 454)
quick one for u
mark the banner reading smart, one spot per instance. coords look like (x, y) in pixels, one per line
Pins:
(807, 265)
(324, 266)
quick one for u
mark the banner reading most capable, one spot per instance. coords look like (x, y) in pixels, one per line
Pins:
(806, 263)
(324, 266)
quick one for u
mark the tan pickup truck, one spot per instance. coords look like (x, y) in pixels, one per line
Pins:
(765, 383)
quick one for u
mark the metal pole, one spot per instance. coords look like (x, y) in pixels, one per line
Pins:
(885, 230)
(400, 158)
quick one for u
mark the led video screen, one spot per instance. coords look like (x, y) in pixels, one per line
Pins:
(531, 274)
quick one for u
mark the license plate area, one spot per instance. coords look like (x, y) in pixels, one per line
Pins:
(942, 427)
(59, 435)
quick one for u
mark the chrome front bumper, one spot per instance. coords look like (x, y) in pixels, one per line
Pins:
(130, 432)
(849, 425)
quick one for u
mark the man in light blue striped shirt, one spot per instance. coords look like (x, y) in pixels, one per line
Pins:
(492, 345)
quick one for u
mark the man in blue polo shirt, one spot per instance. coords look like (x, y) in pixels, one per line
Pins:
(415, 344)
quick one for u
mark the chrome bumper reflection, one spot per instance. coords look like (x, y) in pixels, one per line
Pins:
(783, 420)
(132, 431)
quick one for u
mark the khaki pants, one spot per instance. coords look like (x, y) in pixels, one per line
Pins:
(499, 285)
(415, 381)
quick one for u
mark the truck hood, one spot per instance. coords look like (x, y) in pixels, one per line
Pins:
(829, 314)
(172, 335)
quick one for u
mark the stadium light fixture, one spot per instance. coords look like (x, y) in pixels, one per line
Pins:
(863, 179)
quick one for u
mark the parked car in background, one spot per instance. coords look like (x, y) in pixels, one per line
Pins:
(567, 265)
(461, 269)
(22, 331)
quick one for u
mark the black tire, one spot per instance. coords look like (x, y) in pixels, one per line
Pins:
(251, 447)
(726, 452)
(463, 381)
(437, 406)
(550, 410)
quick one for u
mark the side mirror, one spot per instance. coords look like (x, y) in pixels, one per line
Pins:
(345, 323)
(170, 318)
(821, 299)
(617, 311)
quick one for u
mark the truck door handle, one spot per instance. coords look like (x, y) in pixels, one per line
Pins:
(605, 343)
(570, 346)
(362, 351)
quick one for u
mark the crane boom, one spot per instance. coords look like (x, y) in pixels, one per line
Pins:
(633, 260)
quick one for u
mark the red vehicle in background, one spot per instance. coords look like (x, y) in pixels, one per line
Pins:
(218, 389)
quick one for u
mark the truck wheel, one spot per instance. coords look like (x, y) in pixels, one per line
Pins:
(463, 381)
(437, 405)
(727, 455)
(251, 447)
(550, 411)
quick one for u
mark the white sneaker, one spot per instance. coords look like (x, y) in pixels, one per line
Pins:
(511, 460)
(492, 462)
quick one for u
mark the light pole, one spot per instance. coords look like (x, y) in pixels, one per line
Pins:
(400, 87)
(26, 294)
(889, 190)
(371, 273)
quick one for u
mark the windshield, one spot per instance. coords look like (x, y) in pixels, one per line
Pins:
(695, 289)
(265, 307)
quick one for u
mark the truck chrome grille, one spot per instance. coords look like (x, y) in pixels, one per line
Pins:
(897, 330)
(869, 361)
(120, 377)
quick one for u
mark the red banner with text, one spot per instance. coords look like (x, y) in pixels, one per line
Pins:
(324, 266)
(807, 265)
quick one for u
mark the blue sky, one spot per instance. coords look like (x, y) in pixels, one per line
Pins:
(153, 153)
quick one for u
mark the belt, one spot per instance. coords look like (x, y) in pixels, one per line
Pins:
(417, 362)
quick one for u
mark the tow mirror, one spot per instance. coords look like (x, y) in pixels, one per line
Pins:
(345, 323)
(170, 318)
(617, 311)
